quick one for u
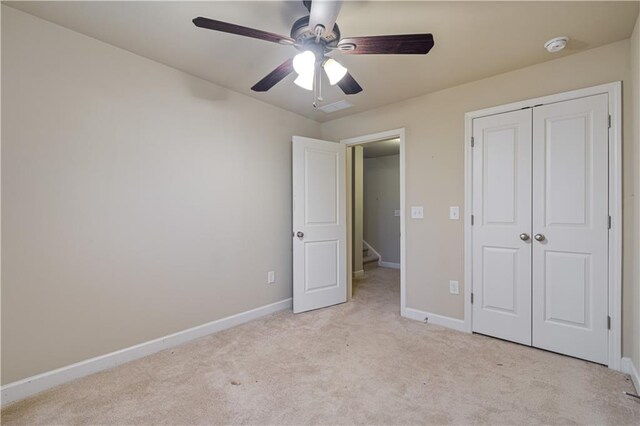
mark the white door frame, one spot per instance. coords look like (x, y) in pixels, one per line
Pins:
(375, 137)
(614, 91)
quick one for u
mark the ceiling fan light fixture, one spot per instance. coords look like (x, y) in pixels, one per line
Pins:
(334, 70)
(304, 63)
(315, 36)
(305, 80)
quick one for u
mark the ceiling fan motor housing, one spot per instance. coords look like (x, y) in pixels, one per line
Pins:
(305, 37)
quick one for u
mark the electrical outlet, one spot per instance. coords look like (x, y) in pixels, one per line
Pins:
(271, 277)
(454, 287)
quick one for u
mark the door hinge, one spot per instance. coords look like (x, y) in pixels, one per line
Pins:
(609, 222)
(608, 323)
(472, 142)
(609, 120)
(472, 298)
(471, 220)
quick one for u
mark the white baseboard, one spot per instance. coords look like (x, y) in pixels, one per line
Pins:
(418, 315)
(358, 274)
(626, 365)
(31, 385)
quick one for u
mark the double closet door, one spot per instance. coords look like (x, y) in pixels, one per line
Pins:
(540, 227)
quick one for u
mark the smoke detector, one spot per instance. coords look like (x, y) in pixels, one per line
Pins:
(556, 44)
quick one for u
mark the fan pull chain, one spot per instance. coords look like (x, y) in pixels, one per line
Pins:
(319, 73)
(317, 86)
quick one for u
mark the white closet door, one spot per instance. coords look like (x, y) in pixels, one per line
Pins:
(570, 217)
(502, 212)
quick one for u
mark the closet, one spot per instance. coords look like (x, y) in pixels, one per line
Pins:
(540, 232)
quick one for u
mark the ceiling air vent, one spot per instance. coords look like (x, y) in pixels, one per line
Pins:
(336, 106)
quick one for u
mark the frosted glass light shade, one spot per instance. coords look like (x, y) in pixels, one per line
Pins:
(335, 71)
(304, 63)
(305, 80)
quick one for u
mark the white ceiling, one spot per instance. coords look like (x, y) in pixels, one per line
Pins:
(473, 40)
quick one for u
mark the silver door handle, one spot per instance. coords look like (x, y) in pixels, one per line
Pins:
(539, 237)
(524, 237)
(300, 234)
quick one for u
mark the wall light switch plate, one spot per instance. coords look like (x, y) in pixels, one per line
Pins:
(454, 287)
(396, 213)
(417, 212)
(271, 277)
(454, 213)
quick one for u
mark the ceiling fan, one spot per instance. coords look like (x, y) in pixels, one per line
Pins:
(316, 36)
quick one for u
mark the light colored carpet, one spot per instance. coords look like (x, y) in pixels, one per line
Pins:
(359, 362)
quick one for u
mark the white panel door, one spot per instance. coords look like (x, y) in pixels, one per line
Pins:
(319, 224)
(502, 212)
(570, 223)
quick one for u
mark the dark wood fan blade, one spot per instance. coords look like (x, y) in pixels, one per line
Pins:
(226, 27)
(274, 76)
(349, 85)
(403, 44)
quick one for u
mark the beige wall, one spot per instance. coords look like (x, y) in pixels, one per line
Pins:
(633, 336)
(381, 199)
(435, 164)
(137, 200)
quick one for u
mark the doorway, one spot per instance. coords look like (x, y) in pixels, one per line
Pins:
(375, 206)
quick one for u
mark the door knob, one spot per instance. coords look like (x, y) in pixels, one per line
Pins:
(524, 237)
(539, 237)
(300, 234)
